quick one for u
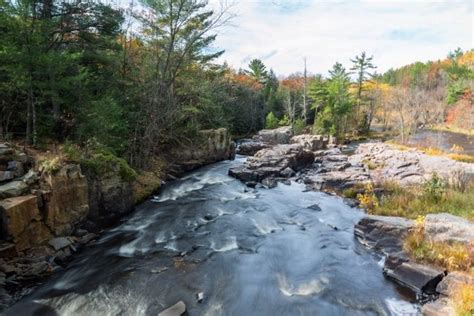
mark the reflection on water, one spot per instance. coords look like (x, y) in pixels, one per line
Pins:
(251, 252)
(442, 140)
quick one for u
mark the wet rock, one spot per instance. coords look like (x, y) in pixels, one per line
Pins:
(200, 297)
(13, 189)
(417, 277)
(251, 147)
(315, 207)
(281, 135)
(272, 161)
(440, 307)
(68, 203)
(177, 309)
(384, 233)
(251, 184)
(37, 269)
(351, 202)
(87, 238)
(60, 243)
(159, 270)
(270, 183)
(287, 172)
(448, 228)
(80, 232)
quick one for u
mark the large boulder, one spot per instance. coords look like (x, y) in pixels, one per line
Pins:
(448, 228)
(384, 233)
(453, 281)
(22, 222)
(251, 147)
(281, 135)
(419, 278)
(65, 198)
(273, 162)
(312, 142)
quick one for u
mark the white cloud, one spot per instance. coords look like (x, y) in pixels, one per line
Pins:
(283, 32)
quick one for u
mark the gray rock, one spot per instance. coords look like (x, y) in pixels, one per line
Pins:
(177, 309)
(6, 176)
(452, 281)
(30, 177)
(383, 233)
(311, 142)
(281, 135)
(250, 148)
(417, 277)
(37, 269)
(13, 189)
(287, 172)
(270, 183)
(80, 232)
(440, 307)
(448, 228)
(60, 243)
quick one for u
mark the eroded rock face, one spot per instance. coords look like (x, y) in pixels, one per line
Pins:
(281, 135)
(110, 197)
(215, 145)
(251, 147)
(273, 162)
(66, 200)
(313, 142)
(448, 228)
(22, 222)
(334, 172)
(383, 233)
(405, 167)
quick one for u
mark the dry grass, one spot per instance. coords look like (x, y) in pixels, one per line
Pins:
(452, 257)
(462, 158)
(463, 300)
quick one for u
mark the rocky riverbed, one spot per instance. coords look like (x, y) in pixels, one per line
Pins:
(321, 165)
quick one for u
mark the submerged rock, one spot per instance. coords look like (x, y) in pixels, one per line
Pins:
(177, 309)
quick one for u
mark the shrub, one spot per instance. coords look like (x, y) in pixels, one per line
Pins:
(463, 300)
(271, 121)
(298, 126)
(368, 199)
(435, 188)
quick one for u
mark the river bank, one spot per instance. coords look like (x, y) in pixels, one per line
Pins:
(52, 205)
(366, 175)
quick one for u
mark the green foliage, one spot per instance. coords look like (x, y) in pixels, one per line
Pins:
(258, 70)
(435, 188)
(456, 90)
(96, 158)
(271, 121)
(298, 126)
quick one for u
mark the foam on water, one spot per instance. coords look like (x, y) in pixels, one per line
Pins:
(304, 289)
(230, 243)
(401, 308)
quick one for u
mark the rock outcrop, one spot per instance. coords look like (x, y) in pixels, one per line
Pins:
(274, 162)
(249, 147)
(448, 228)
(281, 135)
(65, 198)
(405, 167)
(214, 145)
(314, 142)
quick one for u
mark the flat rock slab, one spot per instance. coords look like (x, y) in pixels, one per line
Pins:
(177, 309)
(417, 277)
(385, 233)
(440, 307)
(448, 228)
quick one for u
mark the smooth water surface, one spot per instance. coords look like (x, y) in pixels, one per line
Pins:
(250, 252)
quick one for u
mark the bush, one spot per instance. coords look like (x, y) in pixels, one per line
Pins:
(298, 126)
(368, 199)
(271, 121)
(435, 188)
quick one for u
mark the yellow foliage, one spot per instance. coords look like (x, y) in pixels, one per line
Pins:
(457, 148)
(463, 300)
(368, 199)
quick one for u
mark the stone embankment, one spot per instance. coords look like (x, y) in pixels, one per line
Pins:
(48, 213)
(277, 156)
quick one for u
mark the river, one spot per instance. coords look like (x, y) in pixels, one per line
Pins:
(282, 251)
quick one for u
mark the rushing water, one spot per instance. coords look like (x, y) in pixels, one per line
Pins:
(250, 252)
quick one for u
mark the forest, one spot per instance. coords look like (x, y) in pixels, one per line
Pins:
(134, 81)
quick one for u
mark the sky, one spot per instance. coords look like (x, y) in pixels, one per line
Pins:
(283, 32)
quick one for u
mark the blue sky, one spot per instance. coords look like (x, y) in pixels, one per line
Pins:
(396, 32)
